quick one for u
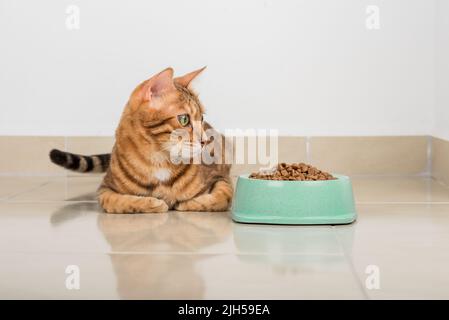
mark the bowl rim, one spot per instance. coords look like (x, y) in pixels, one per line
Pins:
(339, 177)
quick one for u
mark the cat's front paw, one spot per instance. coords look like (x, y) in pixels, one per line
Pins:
(180, 206)
(156, 206)
(192, 205)
(184, 206)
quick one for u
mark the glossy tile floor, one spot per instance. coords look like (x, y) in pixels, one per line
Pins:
(400, 241)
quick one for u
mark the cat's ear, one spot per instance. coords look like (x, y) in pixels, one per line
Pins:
(158, 85)
(185, 80)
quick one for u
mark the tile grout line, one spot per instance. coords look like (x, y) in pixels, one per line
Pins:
(429, 167)
(389, 175)
(308, 152)
(66, 182)
(351, 265)
(11, 200)
(8, 199)
(66, 149)
(30, 175)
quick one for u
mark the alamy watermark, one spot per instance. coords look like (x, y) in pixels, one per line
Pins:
(372, 281)
(199, 146)
(72, 281)
(372, 21)
(72, 20)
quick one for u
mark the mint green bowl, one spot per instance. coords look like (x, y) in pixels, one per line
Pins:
(294, 202)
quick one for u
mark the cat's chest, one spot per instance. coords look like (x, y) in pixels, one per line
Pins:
(161, 175)
(174, 186)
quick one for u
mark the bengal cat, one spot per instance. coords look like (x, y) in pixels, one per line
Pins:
(141, 175)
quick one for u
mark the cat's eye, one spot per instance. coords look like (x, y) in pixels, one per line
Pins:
(184, 119)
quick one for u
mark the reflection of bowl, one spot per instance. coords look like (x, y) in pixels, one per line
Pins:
(293, 247)
(294, 202)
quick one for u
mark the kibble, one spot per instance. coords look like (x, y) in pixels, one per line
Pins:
(292, 172)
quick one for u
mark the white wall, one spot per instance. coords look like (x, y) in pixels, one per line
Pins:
(442, 70)
(303, 67)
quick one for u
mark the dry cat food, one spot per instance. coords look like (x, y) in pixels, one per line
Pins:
(294, 171)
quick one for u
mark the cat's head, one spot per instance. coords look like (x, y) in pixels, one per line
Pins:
(164, 107)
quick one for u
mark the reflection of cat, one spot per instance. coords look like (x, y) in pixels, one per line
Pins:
(150, 253)
(154, 256)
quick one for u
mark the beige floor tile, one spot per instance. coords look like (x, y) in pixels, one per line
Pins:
(280, 277)
(56, 227)
(52, 227)
(403, 228)
(399, 189)
(202, 232)
(43, 276)
(29, 155)
(82, 227)
(273, 239)
(63, 189)
(238, 169)
(408, 243)
(370, 155)
(174, 232)
(11, 186)
(174, 276)
(90, 145)
(440, 160)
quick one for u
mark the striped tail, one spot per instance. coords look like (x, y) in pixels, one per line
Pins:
(80, 163)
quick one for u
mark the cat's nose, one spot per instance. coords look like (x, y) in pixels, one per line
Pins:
(204, 139)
